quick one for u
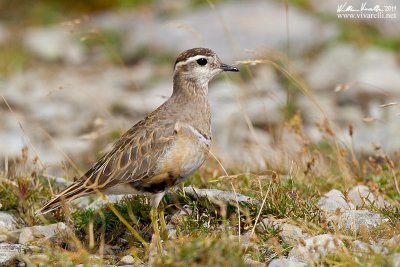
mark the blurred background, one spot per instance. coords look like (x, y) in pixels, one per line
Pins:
(74, 75)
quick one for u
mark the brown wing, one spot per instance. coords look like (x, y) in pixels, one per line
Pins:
(133, 157)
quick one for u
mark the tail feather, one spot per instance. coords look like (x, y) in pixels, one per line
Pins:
(74, 191)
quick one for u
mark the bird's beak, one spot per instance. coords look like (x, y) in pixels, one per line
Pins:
(225, 67)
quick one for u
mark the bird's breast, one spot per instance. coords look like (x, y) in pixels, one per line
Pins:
(187, 152)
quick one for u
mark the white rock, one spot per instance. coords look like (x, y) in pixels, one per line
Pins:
(61, 181)
(11, 143)
(291, 234)
(266, 223)
(369, 68)
(249, 33)
(354, 219)
(385, 75)
(54, 43)
(218, 195)
(29, 234)
(57, 98)
(315, 248)
(311, 112)
(8, 252)
(7, 221)
(263, 110)
(176, 219)
(392, 242)
(128, 259)
(334, 200)
(361, 196)
(282, 262)
(4, 34)
(332, 67)
(250, 262)
(396, 260)
(93, 202)
(362, 247)
(383, 132)
(26, 235)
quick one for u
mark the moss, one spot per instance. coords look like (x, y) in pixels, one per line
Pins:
(364, 34)
(107, 225)
(13, 58)
(214, 250)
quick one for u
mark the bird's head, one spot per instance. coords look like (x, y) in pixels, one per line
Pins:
(199, 66)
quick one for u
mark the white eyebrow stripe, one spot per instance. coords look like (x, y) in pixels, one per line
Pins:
(191, 59)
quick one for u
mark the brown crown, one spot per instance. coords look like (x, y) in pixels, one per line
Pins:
(194, 52)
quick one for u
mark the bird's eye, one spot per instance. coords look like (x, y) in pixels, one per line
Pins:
(202, 61)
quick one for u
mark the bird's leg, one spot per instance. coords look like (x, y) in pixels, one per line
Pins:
(155, 201)
(156, 233)
(163, 225)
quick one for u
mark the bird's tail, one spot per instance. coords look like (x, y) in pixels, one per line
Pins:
(74, 191)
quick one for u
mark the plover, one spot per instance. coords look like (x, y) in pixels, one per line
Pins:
(165, 147)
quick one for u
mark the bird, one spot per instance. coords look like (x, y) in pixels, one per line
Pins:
(162, 149)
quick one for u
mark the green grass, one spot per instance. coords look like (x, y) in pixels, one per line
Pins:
(213, 250)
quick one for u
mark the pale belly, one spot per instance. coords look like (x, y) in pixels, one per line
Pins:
(187, 153)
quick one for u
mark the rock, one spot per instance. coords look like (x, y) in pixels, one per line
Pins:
(315, 248)
(382, 131)
(334, 201)
(292, 234)
(128, 259)
(247, 241)
(42, 232)
(54, 43)
(266, 223)
(176, 219)
(250, 262)
(332, 66)
(39, 259)
(353, 220)
(146, 101)
(26, 236)
(282, 262)
(8, 252)
(310, 111)
(248, 33)
(7, 222)
(55, 103)
(88, 202)
(11, 143)
(396, 260)
(233, 141)
(364, 248)
(392, 242)
(364, 70)
(61, 181)
(361, 196)
(4, 34)
(218, 196)
(386, 76)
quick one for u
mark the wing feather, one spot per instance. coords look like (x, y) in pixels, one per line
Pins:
(133, 157)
